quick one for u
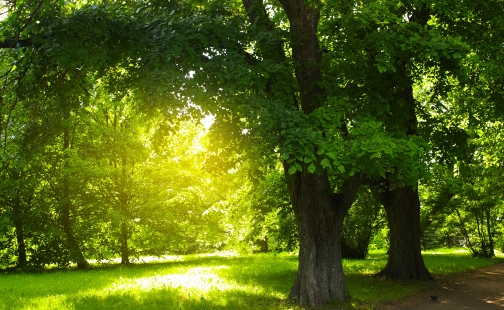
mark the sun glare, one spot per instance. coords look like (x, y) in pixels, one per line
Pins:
(200, 279)
(207, 121)
(195, 283)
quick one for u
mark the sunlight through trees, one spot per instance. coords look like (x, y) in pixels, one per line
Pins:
(142, 128)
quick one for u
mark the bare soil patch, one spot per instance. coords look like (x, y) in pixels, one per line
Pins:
(477, 289)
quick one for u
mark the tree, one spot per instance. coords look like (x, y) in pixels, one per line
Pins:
(297, 81)
(260, 215)
(465, 195)
(364, 219)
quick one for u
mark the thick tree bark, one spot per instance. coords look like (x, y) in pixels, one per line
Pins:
(402, 204)
(405, 261)
(320, 215)
(73, 246)
(318, 211)
(305, 51)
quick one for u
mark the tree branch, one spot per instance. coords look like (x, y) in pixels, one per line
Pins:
(345, 199)
(14, 43)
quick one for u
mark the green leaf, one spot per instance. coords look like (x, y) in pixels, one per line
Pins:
(325, 163)
(292, 169)
(299, 167)
(382, 68)
(331, 155)
(285, 156)
(311, 168)
(307, 160)
(341, 168)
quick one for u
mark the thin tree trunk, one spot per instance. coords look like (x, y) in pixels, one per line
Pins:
(18, 220)
(405, 261)
(19, 225)
(21, 249)
(124, 201)
(491, 252)
(124, 244)
(465, 233)
(73, 246)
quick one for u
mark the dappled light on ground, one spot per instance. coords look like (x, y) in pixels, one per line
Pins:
(221, 281)
(202, 286)
(213, 281)
(201, 279)
(196, 281)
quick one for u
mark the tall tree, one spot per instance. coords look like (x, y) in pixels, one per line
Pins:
(297, 81)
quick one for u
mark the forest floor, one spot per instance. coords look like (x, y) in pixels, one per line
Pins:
(476, 289)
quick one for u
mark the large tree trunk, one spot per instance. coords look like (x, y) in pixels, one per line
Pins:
(320, 276)
(318, 211)
(319, 215)
(402, 204)
(405, 261)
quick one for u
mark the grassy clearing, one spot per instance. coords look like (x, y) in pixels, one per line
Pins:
(207, 282)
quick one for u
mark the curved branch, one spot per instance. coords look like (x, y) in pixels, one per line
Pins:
(15, 43)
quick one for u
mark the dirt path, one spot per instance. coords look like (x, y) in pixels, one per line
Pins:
(477, 289)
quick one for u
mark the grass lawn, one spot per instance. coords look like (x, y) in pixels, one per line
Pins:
(260, 281)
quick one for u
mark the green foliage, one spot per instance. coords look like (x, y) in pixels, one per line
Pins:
(463, 201)
(262, 217)
(272, 225)
(365, 219)
(120, 169)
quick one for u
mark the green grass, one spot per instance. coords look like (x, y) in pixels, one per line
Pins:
(259, 281)
(446, 261)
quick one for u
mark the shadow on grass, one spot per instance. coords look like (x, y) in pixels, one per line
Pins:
(170, 298)
(202, 282)
(441, 263)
